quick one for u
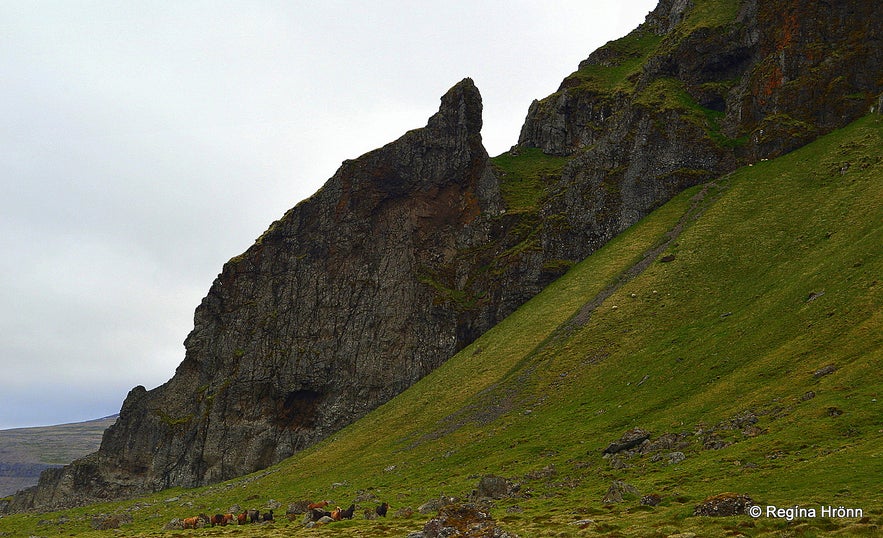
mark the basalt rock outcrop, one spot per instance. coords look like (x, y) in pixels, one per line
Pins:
(690, 94)
(335, 309)
(409, 252)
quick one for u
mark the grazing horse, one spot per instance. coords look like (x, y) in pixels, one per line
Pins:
(222, 519)
(317, 513)
(320, 504)
(348, 513)
(190, 522)
(254, 516)
(242, 518)
(381, 510)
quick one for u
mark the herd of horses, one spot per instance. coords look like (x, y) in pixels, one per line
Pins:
(249, 516)
(317, 512)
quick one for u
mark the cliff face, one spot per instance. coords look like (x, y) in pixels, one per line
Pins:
(324, 318)
(411, 251)
(700, 88)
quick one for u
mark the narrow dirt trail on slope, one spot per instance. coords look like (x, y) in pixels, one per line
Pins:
(508, 393)
(692, 213)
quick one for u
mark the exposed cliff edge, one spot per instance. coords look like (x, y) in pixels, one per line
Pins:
(411, 251)
(324, 318)
(699, 88)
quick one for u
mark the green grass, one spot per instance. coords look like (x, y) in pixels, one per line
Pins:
(711, 14)
(523, 176)
(776, 277)
(665, 94)
(627, 56)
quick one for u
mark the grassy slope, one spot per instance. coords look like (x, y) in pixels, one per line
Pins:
(775, 279)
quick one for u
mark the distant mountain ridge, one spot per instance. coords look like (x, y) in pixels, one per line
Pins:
(26, 452)
(412, 251)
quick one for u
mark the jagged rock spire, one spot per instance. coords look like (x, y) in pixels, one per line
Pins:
(332, 312)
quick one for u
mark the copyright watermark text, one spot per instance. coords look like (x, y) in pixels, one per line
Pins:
(791, 513)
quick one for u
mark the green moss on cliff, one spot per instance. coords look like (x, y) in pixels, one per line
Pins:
(173, 421)
(616, 64)
(523, 176)
(711, 14)
(463, 299)
(670, 94)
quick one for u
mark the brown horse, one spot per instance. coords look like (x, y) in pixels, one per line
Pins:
(222, 519)
(320, 504)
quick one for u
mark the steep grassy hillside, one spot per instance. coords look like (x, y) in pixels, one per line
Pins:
(749, 341)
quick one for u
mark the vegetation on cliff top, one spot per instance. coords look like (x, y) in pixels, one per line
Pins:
(754, 338)
(623, 58)
(524, 175)
(615, 66)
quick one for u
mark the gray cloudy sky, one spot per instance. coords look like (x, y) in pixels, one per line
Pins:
(145, 143)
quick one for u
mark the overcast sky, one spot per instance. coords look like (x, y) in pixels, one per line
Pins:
(143, 144)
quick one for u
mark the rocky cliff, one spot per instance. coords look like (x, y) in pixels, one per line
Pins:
(334, 310)
(699, 88)
(411, 251)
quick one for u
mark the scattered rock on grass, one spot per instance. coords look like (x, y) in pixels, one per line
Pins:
(651, 500)
(666, 441)
(434, 505)
(616, 491)
(724, 504)
(297, 508)
(404, 512)
(676, 457)
(462, 520)
(629, 439)
(814, 295)
(495, 487)
(826, 370)
(715, 442)
(546, 472)
(106, 523)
